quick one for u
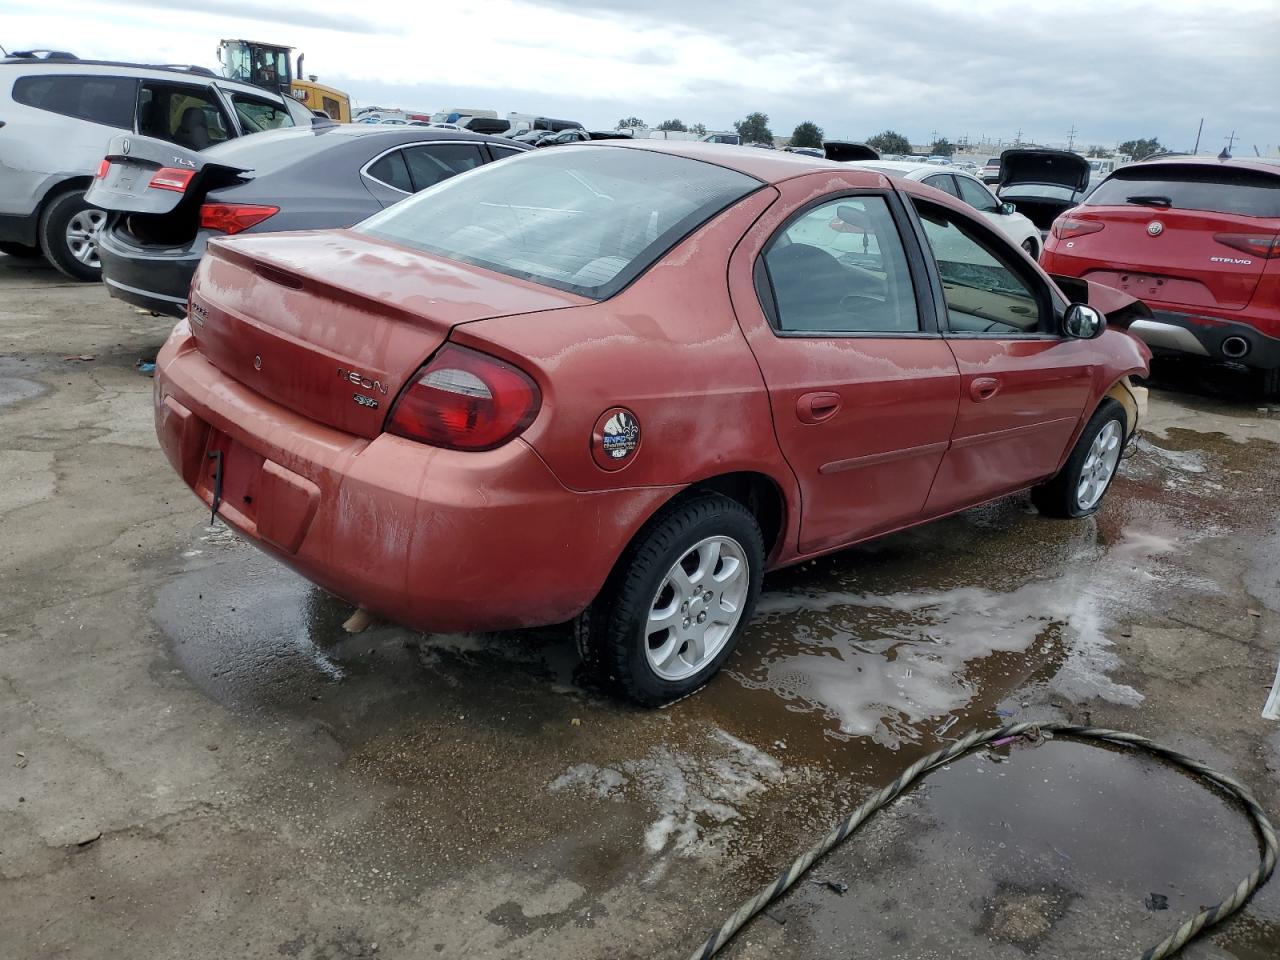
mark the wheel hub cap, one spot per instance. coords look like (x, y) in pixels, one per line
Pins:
(697, 608)
(82, 235)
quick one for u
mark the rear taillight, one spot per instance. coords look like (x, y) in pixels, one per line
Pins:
(103, 167)
(1064, 228)
(465, 400)
(171, 178)
(1265, 246)
(234, 217)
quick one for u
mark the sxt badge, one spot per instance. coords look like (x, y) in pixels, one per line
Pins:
(615, 439)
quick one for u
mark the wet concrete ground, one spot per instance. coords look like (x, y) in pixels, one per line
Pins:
(196, 761)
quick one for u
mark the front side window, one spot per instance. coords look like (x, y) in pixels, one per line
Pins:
(977, 196)
(840, 268)
(983, 290)
(187, 116)
(106, 100)
(256, 114)
(429, 165)
(587, 220)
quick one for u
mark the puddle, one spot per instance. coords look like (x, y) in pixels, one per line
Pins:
(15, 390)
(1069, 850)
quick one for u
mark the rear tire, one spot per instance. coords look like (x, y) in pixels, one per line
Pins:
(1078, 489)
(657, 635)
(68, 227)
(19, 250)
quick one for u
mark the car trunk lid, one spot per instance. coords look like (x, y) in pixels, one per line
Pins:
(154, 189)
(1051, 168)
(332, 324)
(1174, 257)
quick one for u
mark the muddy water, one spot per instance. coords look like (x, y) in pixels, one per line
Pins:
(468, 749)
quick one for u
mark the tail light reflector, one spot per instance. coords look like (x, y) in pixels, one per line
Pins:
(1064, 228)
(465, 400)
(231, 218)
(1265, 246)
(172, 178)
(103, 167)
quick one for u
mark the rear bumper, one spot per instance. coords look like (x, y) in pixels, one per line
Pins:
(435, 539)
(1210, 338)
(154, 280)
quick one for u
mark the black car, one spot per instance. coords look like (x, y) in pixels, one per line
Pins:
(164, 202)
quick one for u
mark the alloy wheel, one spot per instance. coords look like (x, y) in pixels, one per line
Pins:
(1099, 465)
(697, 608)
(82, 235)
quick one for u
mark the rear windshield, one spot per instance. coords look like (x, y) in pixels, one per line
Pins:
(585, 219)
(1231, 190)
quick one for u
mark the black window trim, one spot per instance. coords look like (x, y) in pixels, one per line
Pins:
(1045, 291)
(917, 269)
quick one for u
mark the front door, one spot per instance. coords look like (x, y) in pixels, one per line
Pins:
(862, 386)
(1023, 387)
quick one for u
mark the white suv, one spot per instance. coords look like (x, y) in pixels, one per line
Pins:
(58, 114)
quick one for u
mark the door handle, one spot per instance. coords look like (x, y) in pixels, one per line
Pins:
(816, 407)
(983, 388)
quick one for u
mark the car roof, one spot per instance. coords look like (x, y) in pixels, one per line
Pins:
(1269, 165)
(770, 166)
(911, 168)
(64, 67)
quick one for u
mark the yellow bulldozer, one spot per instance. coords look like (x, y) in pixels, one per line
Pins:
(268, 65)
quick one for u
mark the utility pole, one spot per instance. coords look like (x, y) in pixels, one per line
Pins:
(1198, 132)
(1017, 138)
(1071, 137)
(1231, 142)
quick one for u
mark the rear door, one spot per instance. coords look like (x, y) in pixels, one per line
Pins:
(1023, 387)
(1184, 235)
(863, 389)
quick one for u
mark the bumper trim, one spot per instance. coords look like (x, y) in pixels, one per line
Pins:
(1167, 336)
(150, 294)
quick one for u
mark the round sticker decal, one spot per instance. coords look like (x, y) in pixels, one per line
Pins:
(615, 439)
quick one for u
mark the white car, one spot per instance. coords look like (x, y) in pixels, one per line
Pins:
(972, 191)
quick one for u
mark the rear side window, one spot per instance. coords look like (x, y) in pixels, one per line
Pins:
(841, 268)
(106, 100)
(944, 183)
(429, 165)
(500, 153)
(181, 114)
(1216, 189)
(392, 171)
(587, 220)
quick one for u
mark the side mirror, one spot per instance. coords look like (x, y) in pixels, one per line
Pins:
(1083, 322)
(1007, 208)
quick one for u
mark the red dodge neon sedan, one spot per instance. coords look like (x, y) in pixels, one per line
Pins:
(616, 383)
(1198, 240)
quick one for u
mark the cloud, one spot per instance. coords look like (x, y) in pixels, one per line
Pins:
(1110, 69)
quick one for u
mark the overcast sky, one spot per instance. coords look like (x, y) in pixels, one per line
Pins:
(1114, 69)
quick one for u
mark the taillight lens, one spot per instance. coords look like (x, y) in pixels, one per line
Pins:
(234, 217)
(1265, 246)
(465, 400)
(1064, 228)
(172, 178)
(103, 167)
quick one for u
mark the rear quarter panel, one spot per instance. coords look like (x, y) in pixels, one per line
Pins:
(669, 349)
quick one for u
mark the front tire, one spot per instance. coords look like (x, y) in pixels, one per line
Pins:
(68, 233)
(677, 602)
(1078, 488)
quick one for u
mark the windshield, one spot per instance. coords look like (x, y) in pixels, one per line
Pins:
(585, 219)
(1230, 190)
